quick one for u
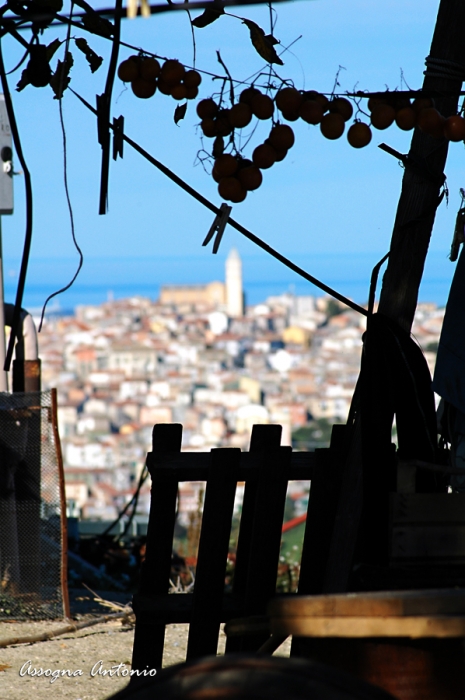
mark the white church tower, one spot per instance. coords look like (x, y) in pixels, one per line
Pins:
(234, 295)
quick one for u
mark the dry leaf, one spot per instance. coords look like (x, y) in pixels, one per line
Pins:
(263, 43)
(208, 16)
(180, 112)
(93, 59)
(3, 667)
(60, 79)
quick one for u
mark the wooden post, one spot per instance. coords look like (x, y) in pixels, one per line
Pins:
(421, 186)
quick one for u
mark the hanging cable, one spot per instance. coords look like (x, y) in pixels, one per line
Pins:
(28, 235)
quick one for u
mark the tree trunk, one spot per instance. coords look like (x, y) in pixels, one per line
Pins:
(420, 190)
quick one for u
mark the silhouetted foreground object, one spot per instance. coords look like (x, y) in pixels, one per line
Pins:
(241, 677)
(410, 643)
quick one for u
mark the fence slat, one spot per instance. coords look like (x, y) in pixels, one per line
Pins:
(155, 573)
(213, 552)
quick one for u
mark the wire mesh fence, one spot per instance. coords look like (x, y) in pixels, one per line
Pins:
(32, 510)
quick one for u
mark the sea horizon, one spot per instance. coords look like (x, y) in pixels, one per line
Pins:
(117, 278)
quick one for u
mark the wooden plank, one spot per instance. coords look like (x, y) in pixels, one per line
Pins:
(266, 538)
(155, 572)
(321, 514)
(427, 508)
(264, 438)
(178, 607)
(194, 466)
(374, 604)
(213, 552)
(419, 627)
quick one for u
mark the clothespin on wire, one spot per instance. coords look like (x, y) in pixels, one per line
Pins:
(133, 6)
(459, 231)
(218, 227)
(118, 133)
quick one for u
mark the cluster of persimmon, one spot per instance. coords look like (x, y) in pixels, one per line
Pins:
(236, 175)
(387, 109)
(146, 75)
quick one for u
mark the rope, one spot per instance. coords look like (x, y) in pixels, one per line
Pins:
(442, 68)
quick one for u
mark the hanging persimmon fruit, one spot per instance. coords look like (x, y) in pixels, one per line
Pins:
(149, 68)
(240, 115)
(382, 116)
(311, 112)
(359, 135)
(250, 177)
(431, 122)
(341, 106)
(406, 118)
(230, 188)
(281, 137)
(332, 125)
(128, 70)
(454, 128)
(262, 106)
(143, 88)
(264, 156)
(172, 71)
(226, 165)
(207, 109)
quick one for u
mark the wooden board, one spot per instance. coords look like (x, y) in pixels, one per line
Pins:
(417, 627)
(377, 604)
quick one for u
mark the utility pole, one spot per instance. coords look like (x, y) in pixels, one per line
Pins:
(365, 482)
(422, 183)
(6, 207)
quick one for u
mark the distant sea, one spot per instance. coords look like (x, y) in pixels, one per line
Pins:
(116, 278)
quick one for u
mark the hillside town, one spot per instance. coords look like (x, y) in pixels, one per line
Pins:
(200, 357)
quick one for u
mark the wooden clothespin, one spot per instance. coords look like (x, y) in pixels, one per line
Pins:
(218, 227)
(118, 133)
(459, 230)
(133, 6)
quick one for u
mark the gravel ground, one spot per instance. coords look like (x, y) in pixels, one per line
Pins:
(109, 643)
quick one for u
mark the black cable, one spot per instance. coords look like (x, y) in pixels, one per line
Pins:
(65, 180)
(252, 237)
(28, 235)
(104, 104)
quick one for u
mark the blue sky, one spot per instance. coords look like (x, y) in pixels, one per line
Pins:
(324, 198)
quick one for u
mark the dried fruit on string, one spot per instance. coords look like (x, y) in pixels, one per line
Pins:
(192, 79)
(231, 189)
(288, 99)
(226, 165)
(454, 128)
(281, 137)
(332, 125)
(128, 70)
(149, 68)
(191, 93)
(172, 71)
(208, 127)
(264, 156)
(223, 125)
(207, 109)
(248, 94)
(311, 112)
(179, 91)
(240, 115)
(359, 135)
(143, 88)
(38, 67)
(163, 87)
(406, 118)
(250, 177)
(341, 106)
(262, 106)
(420, 103)
(382, 116)
(431, 122)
